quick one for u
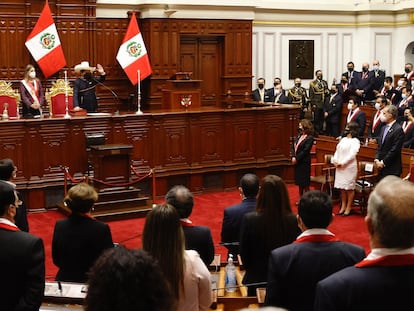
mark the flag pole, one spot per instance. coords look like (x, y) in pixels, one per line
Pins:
(139, 93)
(67, 115)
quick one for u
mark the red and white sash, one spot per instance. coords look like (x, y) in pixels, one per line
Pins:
(350, 117)
(33, 89)
(377, 120)
(300, 140)
(185, 222)
(406, 126)
(8, 225)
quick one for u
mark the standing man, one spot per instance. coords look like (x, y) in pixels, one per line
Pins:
(22, 259)
(318, 90)
(277, 95)
(388, 155)
(379, 76)
(259, 94)
(233, 215)
(295, 269)
(384, 280)
(375, 127)
(84, 88)
(350, 74)
(197, 238)
(297, 95)
(332, 112)
(364, 84)
(408, 72)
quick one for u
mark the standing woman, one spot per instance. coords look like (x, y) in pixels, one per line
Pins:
(163, 239)
(301, 155)
(272, 225)
(31, 93)
(345, 162)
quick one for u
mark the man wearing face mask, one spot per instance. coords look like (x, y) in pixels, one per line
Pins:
(364, 82)
(350, 73)
(408, 128)
(297, 95)
(405, 102)
(332, 112)
(379, 76)
(259, 94)
(318, 91)
(84, 94)
(388, 155)
(408, 72)
(375, 127)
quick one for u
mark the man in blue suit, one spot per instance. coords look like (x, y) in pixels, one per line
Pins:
(233, 215)
(384, 280)
(295, 269)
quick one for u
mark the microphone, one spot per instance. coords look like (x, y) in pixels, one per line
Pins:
(109, 89)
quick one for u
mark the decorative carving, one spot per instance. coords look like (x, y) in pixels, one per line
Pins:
(301, 60)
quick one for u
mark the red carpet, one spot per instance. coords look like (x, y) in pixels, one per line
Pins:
(208, 210)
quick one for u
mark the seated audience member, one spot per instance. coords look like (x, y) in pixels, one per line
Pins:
(79, 239)
(272, 225)
(22, 259)
(233, 215)
(188, 277)
(408, 128)
(7, 173)
(384, 280)
(197, 238)
(123, 279)
(295, 269)
(376, 125)
(357, 115)
(259, 94)
(332, 110)
(401, 83)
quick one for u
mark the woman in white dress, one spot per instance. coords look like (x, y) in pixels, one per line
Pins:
(345, 162)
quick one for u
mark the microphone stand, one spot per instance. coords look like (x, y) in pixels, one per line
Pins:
(139, 94)
(67, 115)
(109, 89)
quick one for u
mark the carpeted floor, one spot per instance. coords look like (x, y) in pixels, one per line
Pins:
(208, 210)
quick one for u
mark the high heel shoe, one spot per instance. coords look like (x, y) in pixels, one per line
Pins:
(346, 214)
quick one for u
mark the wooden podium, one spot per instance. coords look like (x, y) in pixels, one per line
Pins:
(181, 92)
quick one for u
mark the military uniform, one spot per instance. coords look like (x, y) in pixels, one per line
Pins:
(318, 90)
(298, 96)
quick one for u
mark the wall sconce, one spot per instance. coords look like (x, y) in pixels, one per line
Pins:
(167, 11)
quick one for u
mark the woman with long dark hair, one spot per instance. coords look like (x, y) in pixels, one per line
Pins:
(188, 276)
(272, 225)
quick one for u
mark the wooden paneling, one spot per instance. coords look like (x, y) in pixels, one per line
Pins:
(203, 148)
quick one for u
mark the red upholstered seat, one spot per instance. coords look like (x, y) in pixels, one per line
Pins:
(9, 98)
(56, 97)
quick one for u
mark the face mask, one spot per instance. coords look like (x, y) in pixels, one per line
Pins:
(345, 133)
(333, 91)
(88, 76)
(319, 77)
(407, 70)
(276, 83)
(298, 84)
(350, 69)
(364, 69)
(375, 68)
(404, 96)
(300, 130)
(383, 118)
(344, 81)
(261, 86)
(400, 83)
(405, 118)
(277, 92)
(32, 74)
(350, 106)
(377, 106)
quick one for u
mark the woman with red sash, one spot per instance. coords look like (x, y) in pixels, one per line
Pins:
(31, 93)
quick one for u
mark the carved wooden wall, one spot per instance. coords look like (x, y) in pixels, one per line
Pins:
(85, 37)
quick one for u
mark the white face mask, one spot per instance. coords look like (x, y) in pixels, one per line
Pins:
(377, 106)
(32, 74)
(383, 118)
(375, 68)
(404, 96)
(277, 92)
(400, 83)
(350, 106)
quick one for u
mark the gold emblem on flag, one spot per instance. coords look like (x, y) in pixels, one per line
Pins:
(134, 49)
(47, 40)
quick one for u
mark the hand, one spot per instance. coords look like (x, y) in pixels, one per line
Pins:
(100, 69)
(35, 105)
(326, 114)
(294, 160)
(77, 108)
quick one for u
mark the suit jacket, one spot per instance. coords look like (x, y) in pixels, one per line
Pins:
(199, 238)
(27, 99)
(379, 77)
(253, 248)
(361, 119)
(84, 94)
(303, 158)
(389, 151)
(376, 133)
(77, 242)
(295, 269)
(22, 259)
(351, 78)
(230, 229)
(283, 99)
(409, 138)
(365, 83)
(370, 288)
(256, 96)
(333, 108)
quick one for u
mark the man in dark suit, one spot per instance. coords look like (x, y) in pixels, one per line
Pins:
(332, 110)
(375, 128)
(388, 155)
(364, 84)
(384, 280)
(357, 115)
(233, 215)
(379, 76)
(295, 269)
(197, 238)
(259, 94)
(277, 95)
(22, 259)
(350, 74)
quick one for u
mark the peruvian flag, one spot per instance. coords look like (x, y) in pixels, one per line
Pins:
(44, 44)
(132, 54)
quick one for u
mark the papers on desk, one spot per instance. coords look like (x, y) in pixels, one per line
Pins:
(68, 290)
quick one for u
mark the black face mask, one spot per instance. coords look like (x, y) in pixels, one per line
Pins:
(261, 86)
(276, 83)
(298, 84)
(350, 69)
(344, 81)
(345, 133)
(300, 130)
(333, 91)
(405, 118)
(87, 76)
(407, 70)
(364, 69)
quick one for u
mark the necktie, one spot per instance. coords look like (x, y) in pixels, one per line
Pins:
(386, 128)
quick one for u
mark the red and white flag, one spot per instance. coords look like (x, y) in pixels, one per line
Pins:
(44, 44)
(132, 54)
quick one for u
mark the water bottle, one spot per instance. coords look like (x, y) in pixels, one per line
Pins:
(230, 275)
